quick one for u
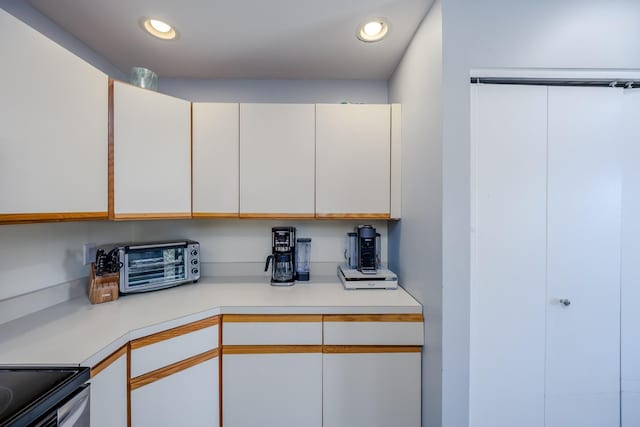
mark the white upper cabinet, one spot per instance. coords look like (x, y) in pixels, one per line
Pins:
(216, 168)
(353, 160)
(53, 138)
(277, 160)
(151, 154)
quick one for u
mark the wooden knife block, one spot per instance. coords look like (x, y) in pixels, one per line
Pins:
(103, 288)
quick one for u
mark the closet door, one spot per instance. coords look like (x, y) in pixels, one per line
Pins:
(583, 264)
(630, 333)
(508, 252)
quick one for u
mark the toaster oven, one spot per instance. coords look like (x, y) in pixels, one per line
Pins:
(158, 265)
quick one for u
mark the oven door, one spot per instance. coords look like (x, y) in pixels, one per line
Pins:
(74, 412)
(149, 267)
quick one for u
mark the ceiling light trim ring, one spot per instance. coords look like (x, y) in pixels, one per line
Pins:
(149, 27)
(370, 38)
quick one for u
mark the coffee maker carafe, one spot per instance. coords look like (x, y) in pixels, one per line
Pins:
(282, 258)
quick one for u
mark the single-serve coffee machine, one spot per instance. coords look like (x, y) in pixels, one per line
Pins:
(363, 249)
(282, 258)
(363, 268)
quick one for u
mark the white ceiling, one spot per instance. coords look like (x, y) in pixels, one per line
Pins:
(261, 39)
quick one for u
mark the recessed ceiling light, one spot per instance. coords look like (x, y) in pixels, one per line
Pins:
(159, 29)
(373, 30)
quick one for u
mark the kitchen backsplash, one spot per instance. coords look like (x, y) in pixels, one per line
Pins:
(39, 256)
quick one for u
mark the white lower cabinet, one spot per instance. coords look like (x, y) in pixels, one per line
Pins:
(371, 389)
(277, 371)
(272, 390)
(371, 370)
(175, 377)
(272, 371)
(109, 392)
(185, 398)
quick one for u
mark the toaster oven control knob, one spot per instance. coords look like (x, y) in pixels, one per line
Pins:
(194, 271)
(194, 252)
(194, 261)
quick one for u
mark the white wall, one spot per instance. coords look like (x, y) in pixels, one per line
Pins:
(295, 91)
(248, 242)
(415, 243)
(22, 10)
(505, 33)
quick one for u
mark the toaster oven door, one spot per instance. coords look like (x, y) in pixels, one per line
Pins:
(154, 267)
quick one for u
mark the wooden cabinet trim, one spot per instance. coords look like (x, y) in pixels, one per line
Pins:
(258, 215)
(408, 317)
(174, 368)
(340, 349)
(129, 384)
(107, 361)
(25, 218)
(260, 318)
(174, 332)
(353, 215)
(220, 361)
(155, 215)
(231, 215)
(110, 156)
(270, 349)
(191, 155)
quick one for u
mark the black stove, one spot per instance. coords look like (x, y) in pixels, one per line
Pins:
(27, 393)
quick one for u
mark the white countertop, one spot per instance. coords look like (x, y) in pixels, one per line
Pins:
(77, 332)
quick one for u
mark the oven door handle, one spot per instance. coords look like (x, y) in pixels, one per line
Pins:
(181, 244)
(75, 413)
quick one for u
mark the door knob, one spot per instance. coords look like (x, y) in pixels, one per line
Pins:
(565, 302)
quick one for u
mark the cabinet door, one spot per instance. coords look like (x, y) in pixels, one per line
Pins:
(188, 397)
(353, 160)
(151, 154)
(216, 171)
(272, 390)
(584, 210)
(508, 252)
(368, 389)
(277, 160)
(53, 138)
(272, 370)
(109, 391)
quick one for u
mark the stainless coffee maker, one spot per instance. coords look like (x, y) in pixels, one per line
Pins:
(282, 258)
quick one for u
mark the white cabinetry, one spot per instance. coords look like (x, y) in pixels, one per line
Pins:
(353, 160)
(175, 377)
(216, 167)
(277, 160)
(371, 388)
(546, 208)
(272, 371)
(187, 397)
(371, 370)
(109, 391)
(53, 138)
(151, 150)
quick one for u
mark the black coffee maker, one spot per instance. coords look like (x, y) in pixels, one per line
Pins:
(282, 258)
(366, 246)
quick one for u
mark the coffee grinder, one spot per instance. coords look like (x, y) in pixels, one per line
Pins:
(282, 258)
